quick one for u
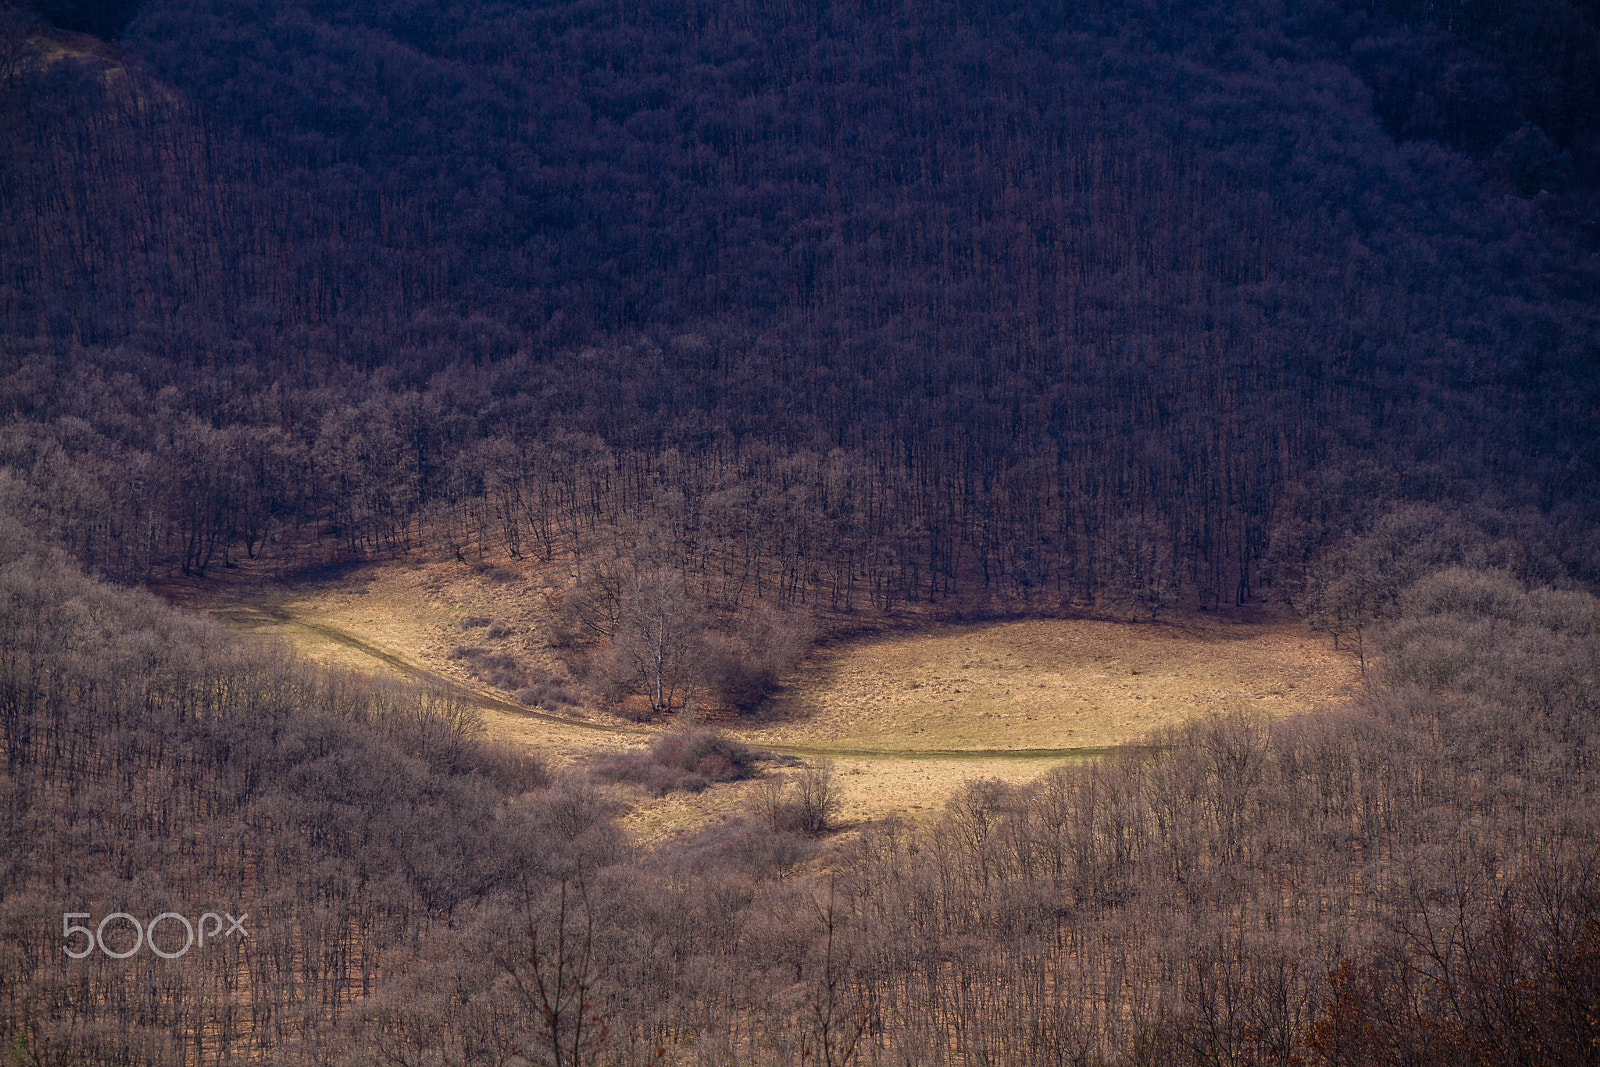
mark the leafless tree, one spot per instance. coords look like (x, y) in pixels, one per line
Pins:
(16, 42)
(657, 631)
(817, 799)
(555, 977)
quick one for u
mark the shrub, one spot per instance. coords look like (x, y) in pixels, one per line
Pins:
(546, 692)
(498, 669)
(493, 572)
(742, 666)
(774, 855)
(700, 750)
(736, 673)
(688, 761)
(509, 767)
(817, 797)
(809, 808)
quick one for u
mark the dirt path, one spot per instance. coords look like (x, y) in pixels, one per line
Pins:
(279, 618)
(907, 718)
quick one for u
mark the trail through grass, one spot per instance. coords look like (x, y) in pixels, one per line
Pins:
(906, 718)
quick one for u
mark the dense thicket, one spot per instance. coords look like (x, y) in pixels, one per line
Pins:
(152, 764)
(869, 305)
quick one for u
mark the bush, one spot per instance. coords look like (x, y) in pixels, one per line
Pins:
(495, 573)
(687, 762)
(774, 855)
(817, 798)
(631, 631)
(736, 674)
(508, 767)
(809, 808)
(742, 667)
(706, 752)
(546, 693)
(498, 669)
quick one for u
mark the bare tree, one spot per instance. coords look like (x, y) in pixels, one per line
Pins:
(16, 42)
(818, 800)
(593, 606)
(556, 978)
(840, 1009)
(657, 631)
(769, 801)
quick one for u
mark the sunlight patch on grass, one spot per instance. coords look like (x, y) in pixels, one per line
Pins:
(906, 718)
(1047, 684)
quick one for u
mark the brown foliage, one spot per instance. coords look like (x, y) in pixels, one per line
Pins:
(688, 760)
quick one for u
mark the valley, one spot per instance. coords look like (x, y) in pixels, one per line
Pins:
(908, 716)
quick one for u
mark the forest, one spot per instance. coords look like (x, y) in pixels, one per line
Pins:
(782, 319)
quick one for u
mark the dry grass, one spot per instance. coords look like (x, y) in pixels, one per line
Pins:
(907, 718)
(1048, 684)
(404, 621)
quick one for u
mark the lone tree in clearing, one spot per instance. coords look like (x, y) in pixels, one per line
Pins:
(658, 629)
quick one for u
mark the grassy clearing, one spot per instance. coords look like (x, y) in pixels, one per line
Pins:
(906, 718)
(1047, 685)
(404, 622)
(871, 788)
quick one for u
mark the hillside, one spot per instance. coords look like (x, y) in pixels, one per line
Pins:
(974, 303)
(950, 388)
